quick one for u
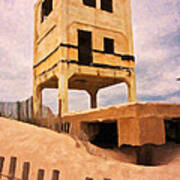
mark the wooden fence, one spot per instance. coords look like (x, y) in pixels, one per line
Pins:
(20, 110)
(26, 170)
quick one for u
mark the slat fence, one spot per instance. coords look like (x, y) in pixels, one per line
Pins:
(26, 170)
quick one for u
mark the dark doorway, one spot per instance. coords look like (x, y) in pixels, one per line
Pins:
(172, 127)
(102, 134)
(84, 47)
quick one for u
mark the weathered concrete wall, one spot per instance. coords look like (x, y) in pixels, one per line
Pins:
(66, 17)
(137, 123)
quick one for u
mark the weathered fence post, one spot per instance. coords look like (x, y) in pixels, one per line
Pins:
(27, 112)
(40, 174)
(1, 165)
(18, 110)
(12, 168)
(25, 173)
(55, 175)
(31, 107)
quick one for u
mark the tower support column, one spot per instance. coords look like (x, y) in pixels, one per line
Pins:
(62, 94)
(132, 88)
(93, 97)
(37, 101)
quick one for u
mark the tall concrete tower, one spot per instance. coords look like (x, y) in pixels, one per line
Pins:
(82, 44)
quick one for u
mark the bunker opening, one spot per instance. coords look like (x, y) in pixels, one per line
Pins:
(102, 134)
(172, 128)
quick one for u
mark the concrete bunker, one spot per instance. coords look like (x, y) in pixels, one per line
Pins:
(146, 154)
(103, 134)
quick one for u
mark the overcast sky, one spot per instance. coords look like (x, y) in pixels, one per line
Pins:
(156, 30)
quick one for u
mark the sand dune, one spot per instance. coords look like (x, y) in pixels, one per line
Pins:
(49, 150)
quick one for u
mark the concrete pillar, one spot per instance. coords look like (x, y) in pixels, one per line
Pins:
(37, 101)
(98, 4)
(93, 98)
(63, 94)
(132, 88)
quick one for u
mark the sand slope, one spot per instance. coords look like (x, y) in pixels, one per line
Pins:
(49, 150)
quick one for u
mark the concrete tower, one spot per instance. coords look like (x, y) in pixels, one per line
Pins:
(82, 44)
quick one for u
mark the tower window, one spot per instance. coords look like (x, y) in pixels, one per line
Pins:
(108, 45)
(47, 7)
(107, 5)
(85, 47)
(91, 3)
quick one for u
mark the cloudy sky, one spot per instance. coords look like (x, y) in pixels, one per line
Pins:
(156, 29)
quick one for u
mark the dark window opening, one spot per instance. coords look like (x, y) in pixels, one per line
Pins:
(172, 127)
(91, 3)
(102, 134)
(108, 45)
(47, 7)
(107, 5)
(84, 47)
